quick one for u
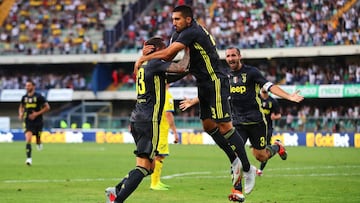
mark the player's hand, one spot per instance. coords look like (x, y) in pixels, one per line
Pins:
(187, 50)
(296, 97)
(137, 65)
(185, 104)
(33, 115)
(176, 140)
(147, 49)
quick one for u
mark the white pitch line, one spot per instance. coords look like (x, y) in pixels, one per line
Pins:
(204, 174)
(313, 167)
(61, 181)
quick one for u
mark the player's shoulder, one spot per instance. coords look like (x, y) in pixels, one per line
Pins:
(38, 94)
(273, 99)
(155, 65)
(250, 68)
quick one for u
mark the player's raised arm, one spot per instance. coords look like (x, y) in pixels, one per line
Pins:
(166, 54)
(295, 97)
(182, 65)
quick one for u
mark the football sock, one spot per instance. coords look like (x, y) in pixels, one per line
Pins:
(238, 186)
(28, 150)
(273, 149)
(238, 145)
(131, 183)
(262, 165)
(155, 176)
(38, 140)
(223, 144)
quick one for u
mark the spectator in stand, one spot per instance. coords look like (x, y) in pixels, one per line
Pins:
(115, 77)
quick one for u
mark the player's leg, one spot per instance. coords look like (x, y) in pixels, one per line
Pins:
(39, 145)
(156, 184)
(28, 135)
(236, 165)
(146, 137)
(250, 174)
(212, 99)
(163, 151)
(219, 109)
(261, 150)
(258, 140)
(133, 179)
(211, 128)
(260, 170)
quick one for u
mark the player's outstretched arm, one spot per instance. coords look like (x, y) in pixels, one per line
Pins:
(187, 103)
(295, 97)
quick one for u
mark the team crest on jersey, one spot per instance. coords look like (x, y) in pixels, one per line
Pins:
(235, 79)
(243, 77)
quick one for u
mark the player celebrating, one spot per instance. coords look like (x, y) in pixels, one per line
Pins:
(145, 118)
(247, 114)
(213, 89)
(31, 109)
(271, 111)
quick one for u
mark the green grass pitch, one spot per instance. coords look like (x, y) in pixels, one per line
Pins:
(79, 173)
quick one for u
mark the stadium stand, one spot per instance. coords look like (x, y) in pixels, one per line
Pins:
(57, 27)
(257, 24)
(78, 27)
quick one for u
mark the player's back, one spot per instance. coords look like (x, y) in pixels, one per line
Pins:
(150, 89)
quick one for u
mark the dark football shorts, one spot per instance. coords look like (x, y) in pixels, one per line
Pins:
(35, 128)
(256, 133)
(146, 137)
(214, 100)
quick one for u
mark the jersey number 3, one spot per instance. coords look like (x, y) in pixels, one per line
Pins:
(140, 83)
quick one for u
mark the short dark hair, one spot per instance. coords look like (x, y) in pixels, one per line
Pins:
(185, 10)
(31, 81)
(157, 42)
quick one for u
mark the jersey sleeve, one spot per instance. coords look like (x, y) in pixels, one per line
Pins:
(42, 100)
(258, 77)
(169, 102)
(186, 37)
(159, 65)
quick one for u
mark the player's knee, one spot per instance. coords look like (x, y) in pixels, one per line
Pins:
(144, 170)
(261, 156)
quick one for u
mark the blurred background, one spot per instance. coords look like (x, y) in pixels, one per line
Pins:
(81, 53)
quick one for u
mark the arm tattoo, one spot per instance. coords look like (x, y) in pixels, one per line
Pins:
(181, 66)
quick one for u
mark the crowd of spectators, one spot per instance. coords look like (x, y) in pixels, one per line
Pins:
(48, 27)
(256, 24)
(61, 26)
(328, 118)
(45, 81)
